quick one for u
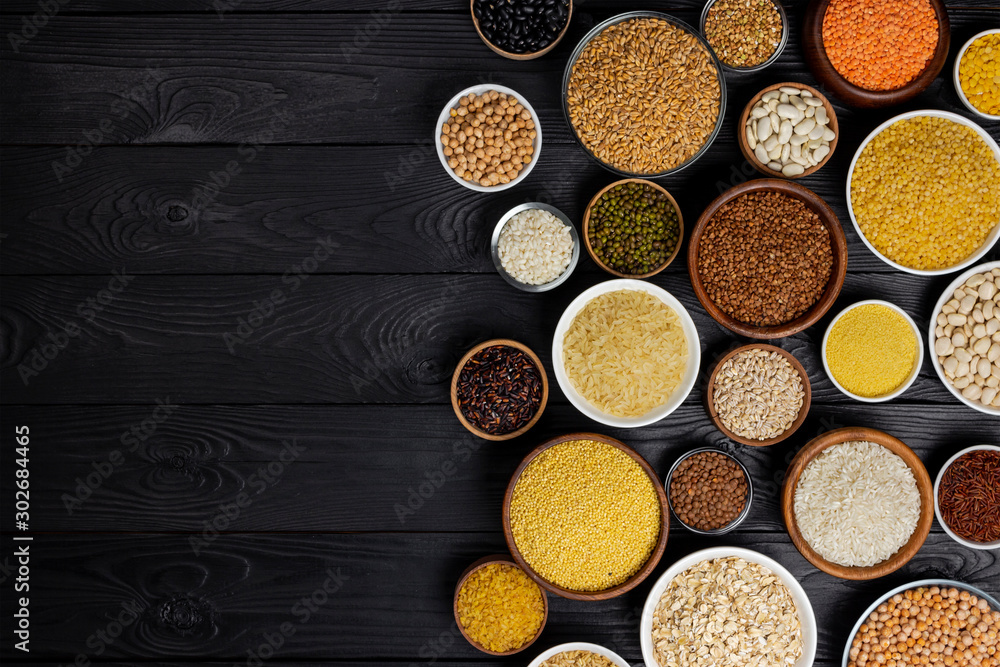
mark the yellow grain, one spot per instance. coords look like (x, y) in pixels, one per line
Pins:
(585, 515)
(979, 74)
(871, 350)
(500, 607)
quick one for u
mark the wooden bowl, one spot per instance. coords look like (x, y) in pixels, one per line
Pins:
(521, 56)
(454, 389)
(823, 70)
(635, 579)
(481, 563)
(586, 229)
(741, 135)
(838, 245)
(803, 411)
(835, 437)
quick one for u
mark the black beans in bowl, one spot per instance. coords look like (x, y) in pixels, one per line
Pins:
(521, 27)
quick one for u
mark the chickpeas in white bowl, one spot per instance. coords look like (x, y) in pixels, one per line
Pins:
(488, 138)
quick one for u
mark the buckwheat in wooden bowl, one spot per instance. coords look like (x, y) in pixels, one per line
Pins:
(819, 61)
(857, 503)
(586, 517)
(758, 395)
(499, 389)
(475, 609)
(633, 202)
(818, 137)
(505, 17)
(767, 258)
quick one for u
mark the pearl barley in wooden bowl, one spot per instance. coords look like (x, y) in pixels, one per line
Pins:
(488, 152)
(964, 338)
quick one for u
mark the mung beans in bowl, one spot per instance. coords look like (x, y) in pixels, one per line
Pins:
(585, 516)
(488, 152)
(644, 94)
(535, 247)
(626, 353)
(923, 192)
(633, 228)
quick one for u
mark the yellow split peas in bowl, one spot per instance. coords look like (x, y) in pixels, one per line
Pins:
(585, 515)
(926, 192)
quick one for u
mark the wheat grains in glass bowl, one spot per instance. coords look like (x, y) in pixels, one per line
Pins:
(644, 94)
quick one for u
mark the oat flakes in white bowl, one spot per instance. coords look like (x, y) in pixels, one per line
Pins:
(761, 613)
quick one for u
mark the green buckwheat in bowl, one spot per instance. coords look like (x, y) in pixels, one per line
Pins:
(633, 228)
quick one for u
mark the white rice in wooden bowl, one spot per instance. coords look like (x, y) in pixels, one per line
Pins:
(625, 352)
(857, 504)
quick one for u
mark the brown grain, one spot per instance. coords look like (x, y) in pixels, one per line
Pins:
(644, 96)
(765, 258)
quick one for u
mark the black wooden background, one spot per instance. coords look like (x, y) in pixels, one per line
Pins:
(119, 123)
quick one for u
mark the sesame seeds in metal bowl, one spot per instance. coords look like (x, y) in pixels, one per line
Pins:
(644, 94)
(535, 247)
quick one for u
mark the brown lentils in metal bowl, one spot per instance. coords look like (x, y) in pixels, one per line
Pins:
(499, 389)
(708, 491)
(644, 96)
(765, 258)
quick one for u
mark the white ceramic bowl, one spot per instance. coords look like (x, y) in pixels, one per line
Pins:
(991, 238)
(937, 509)
(958, 83)
(944, 583)
(579, 646)
(804, 608)
(446, 115)
(687, 325)
(945, 298)
(916, 366)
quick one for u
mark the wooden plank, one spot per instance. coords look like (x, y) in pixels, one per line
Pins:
(305, 80)
(306, 468)
(331, 339)
(394, 596)
(228, 8)
(157, 210)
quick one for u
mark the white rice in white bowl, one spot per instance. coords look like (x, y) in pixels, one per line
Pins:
(535, 247)
(857, 504)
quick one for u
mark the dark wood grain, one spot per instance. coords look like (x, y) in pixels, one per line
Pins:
(139, 208)
(377, 458)
(395, 598)
(334, 339)
(300, 84)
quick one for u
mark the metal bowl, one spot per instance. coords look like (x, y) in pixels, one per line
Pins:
(598, 29)
(777, 51)
(739, 518)
(495, 242)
